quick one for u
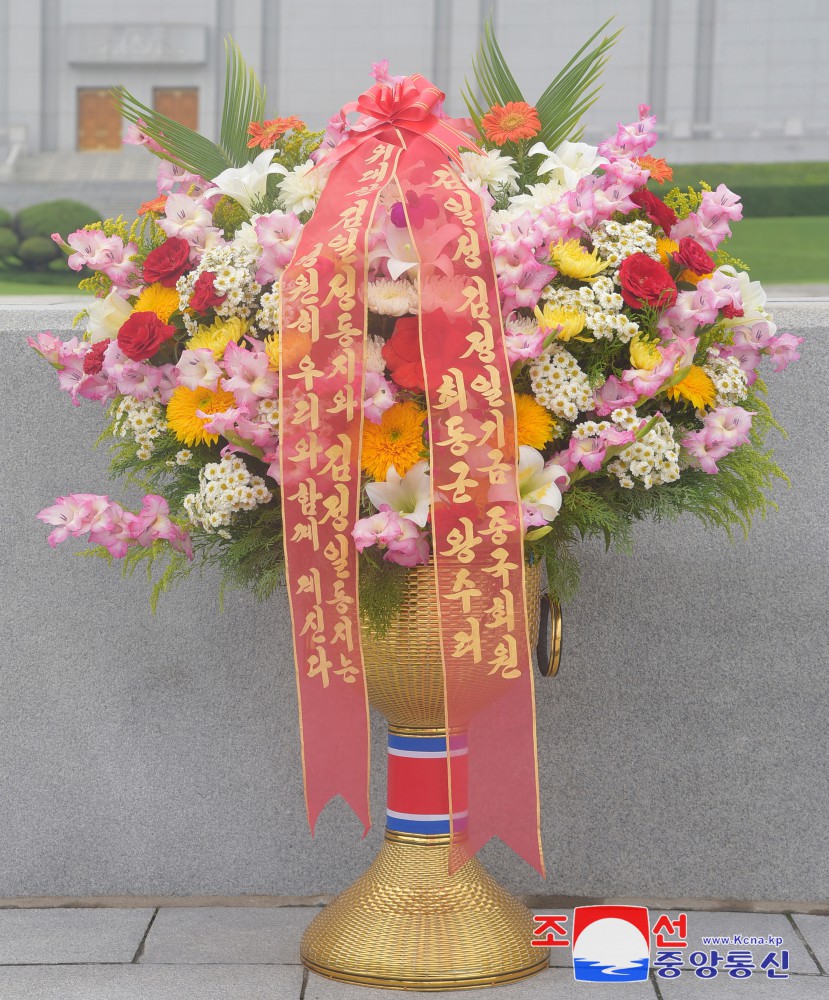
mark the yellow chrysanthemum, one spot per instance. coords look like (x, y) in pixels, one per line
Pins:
(272, 350)
(665, 247)
(696, 387)
(218, 335)
(575, 261)
(397, 440)
(183, 419)
(644, 354)
(536, 425)
(159, 300)
(564, 323)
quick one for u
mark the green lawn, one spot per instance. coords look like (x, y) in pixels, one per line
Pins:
(12, 287)
(783, 250)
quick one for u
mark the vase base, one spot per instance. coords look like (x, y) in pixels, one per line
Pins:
(408, 924)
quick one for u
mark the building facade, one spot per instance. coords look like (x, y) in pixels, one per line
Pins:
(728, 79)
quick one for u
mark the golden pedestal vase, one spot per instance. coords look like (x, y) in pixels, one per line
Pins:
(407, 923)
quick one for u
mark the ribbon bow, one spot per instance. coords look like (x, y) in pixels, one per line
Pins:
(477, 535)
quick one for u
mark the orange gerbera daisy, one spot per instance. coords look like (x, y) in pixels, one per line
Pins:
(265, 134)
(515, 120)
(155, 205)
(660, 171)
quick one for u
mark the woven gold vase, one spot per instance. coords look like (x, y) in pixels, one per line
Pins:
(407, 923)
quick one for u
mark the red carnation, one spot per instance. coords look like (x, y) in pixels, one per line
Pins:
(204, 295)
(732, 312)
(655, 209)
(646, 282)
(693, 256)
(142, 335)
(402, 354)
(167, 263)
(93, 360)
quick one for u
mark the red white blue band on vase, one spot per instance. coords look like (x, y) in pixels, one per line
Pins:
(418, 784)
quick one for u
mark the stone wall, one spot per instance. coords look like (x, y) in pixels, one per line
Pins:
(682, 748)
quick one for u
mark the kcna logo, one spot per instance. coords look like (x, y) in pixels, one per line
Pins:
(611, 944)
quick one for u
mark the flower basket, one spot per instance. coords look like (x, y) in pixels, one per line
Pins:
(402, 364)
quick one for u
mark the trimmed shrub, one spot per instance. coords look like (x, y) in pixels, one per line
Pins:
(8, 242)
(61, 216)
(5, 218)
(37, 251)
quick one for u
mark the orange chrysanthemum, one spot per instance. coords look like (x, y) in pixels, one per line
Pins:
(155, 205)
(397, 440)
(660, 171)
(183, 417)
(515, 120)
(265, 134)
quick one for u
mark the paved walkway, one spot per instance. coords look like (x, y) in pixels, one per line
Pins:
(252, 953)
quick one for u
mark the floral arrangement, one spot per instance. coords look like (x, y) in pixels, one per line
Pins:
(635, 340)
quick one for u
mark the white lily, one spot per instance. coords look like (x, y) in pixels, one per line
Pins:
(107, 316)
(571, 161)
(537, 482)
(408, 496)
(249, 183)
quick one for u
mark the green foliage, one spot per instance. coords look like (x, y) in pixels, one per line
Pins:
(252, 557)
(37, 251)
(5, 218)
(244, 102)
(60, 216)
(228, 215)
(8, 242)
(382, 585)
(563, 103)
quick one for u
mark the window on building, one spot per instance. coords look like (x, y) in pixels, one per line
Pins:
(99, 120)
(179, 103)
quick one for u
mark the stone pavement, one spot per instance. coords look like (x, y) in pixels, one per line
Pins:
(252, 953)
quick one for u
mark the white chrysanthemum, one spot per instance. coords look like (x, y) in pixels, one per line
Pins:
(653, 460)
(301, 188)
(493, 169)
(141, 419)
(730, 381)
(225, 488)
(560, 385)
(374, 355)
(389, 298)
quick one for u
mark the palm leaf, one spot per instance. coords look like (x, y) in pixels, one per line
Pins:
(495, 83)
(562, 104)
(244, 102)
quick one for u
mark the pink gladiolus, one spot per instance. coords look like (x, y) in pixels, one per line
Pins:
(759, 335)
(523, 346)
(648, 383)
(693, 309)
(704, 451)
(47, 346)
(728, 425)
(138, 379)
(113, 530)
(197, 368)
(379, 396)
(720, 203)
(278, 234)
(613, 394)
(747, 357)
(378, 529)
(783, 350)
(136, 136)
(186, 217)
(74, 515)
(252, 377)
(172, 179)
(93, 248)
(410, 548)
